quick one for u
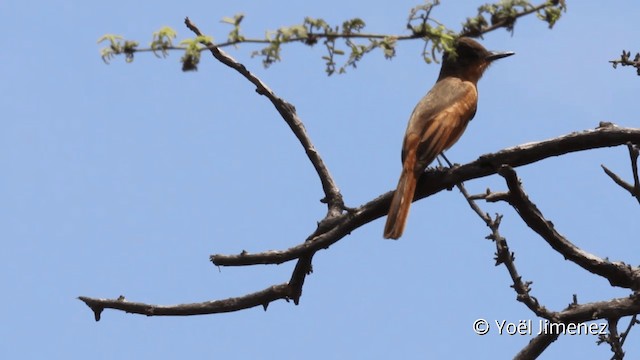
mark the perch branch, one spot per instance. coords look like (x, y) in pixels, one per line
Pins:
(431, 182)
(338, 223)
(434, 181)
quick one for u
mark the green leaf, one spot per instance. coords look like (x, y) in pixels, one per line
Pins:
(228, 20)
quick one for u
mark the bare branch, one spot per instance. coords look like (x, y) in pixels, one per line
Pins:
(337, 224)
(614, 340)
(634, 152)
(431, 182)
(618, 180)
(288, 112)
(578, 314)
(618, 273)
(625, 60)
(318, 242)
(332, 198)
(506, 257)
(260, 298)
(491, 196)
(614, 308)
(633, 322)
(434, 181)
(634, 189)
(536, 346)
(300, 272)
(503, 255)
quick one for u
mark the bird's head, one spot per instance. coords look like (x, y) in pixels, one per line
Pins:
(470, 60)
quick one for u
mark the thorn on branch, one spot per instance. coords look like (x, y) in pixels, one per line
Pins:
(605, 124)
(95, 307)
(574, 302)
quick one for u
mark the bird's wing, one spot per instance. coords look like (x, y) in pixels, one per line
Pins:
(439, 120)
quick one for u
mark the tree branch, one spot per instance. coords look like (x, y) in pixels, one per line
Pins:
(504, 15)
(618, 273)
(338, 224)
(614, 340)
(260, 298)
(431, 182)
(434, 181)
(625, 60)
(333, 197)
(288, 112)
(437, 37)
(536, 346)
(506, 257)
(634, 189)
(632, 322)
(614, 308)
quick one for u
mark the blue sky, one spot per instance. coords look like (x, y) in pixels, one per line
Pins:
(123, 179)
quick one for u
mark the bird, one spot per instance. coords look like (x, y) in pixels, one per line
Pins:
(438, 121)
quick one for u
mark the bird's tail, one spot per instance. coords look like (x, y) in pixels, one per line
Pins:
(399, 209)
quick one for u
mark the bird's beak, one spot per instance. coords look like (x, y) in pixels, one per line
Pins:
(495, 55)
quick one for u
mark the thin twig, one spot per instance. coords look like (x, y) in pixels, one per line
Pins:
(625, 60)
(505, 22)
(634, 152)
(634, 189)
(634, 321)
(505, 256)
(614, 340)
(618, 180)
